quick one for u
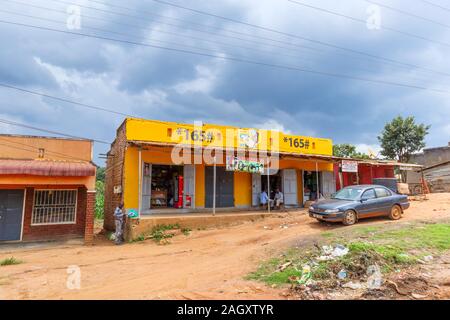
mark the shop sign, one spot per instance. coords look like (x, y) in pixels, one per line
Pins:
(133, 213)
(242, 165)
(208, 135)
(248, 138)
(349, 166)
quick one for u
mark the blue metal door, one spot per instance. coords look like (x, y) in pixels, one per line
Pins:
(11, 210)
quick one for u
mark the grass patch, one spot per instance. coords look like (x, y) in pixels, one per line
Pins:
(10, 261)
(389, 249)
(327, 234)
(162, 233)
(428, 236)
(186, 231)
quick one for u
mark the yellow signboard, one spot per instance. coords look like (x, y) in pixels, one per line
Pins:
(206, 135)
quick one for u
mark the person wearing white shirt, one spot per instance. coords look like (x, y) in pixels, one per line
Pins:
(279, 199)
(263, 198)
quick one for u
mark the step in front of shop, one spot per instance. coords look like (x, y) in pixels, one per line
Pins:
(145, 225)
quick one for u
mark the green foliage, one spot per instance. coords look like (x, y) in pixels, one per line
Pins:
(9, 262)
(402, 137)
(99, 199)
(160, 233)
(348, 151)
(186, 231)
(101, 172)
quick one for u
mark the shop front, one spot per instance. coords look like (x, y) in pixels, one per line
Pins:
(169, 168)
(354, 172)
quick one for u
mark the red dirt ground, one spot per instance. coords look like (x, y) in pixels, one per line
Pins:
(208, 264)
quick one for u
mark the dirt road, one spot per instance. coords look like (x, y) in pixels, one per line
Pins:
(209, 264)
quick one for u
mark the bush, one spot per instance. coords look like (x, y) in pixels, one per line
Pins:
(99, 200)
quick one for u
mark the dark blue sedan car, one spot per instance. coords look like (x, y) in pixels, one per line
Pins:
(358, 202)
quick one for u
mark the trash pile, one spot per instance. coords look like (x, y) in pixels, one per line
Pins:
(331, 253)
(354, 279)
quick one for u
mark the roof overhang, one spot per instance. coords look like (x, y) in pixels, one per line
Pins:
(46, 168)
(283, 155)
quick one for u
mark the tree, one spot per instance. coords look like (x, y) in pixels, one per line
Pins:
(100, 195)
(347, 150)
(101, 174)
(402, 137)
(99, 199)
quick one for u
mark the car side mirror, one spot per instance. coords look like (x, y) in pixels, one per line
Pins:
(364, 200)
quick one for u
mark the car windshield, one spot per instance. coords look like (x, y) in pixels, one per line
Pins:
(349, 193)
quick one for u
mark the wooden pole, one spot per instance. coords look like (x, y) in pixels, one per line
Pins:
(214, 187)
(317, 177)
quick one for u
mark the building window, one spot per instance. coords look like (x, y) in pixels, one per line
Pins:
(54, 207)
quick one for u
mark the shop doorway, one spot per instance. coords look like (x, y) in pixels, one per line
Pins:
(224, 187)
(275, 182)
(311, 187)
(284, 180)
(162, 187)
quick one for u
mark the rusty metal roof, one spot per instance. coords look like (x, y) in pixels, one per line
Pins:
(47, 168)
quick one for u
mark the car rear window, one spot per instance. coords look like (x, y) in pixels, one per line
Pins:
(382, 193)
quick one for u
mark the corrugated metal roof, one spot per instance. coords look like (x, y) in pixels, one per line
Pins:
(47, 168)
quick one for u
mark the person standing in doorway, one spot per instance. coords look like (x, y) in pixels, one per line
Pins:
(119, 218)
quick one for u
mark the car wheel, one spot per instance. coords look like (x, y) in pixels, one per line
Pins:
(396, 213)
(350, 218)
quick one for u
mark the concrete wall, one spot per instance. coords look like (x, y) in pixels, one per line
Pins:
(195, 221)
(28, 147)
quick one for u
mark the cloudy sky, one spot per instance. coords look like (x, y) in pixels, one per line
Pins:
(387, 58)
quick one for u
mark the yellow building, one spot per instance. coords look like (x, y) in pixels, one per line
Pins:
(164, 167)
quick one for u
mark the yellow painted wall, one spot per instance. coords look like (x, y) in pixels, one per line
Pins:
(223, 136)
(131, 179)
(305, 165)
(242, 189)
(200, 186)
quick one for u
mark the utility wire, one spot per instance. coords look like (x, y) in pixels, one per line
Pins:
(299, 37)
(12, 123)
(183, 45)
(436, 5)
(178, 20)
(397, 64)
(407, 13)
(408, 34)
(165, 42)
(230, 58)
(66, 100)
